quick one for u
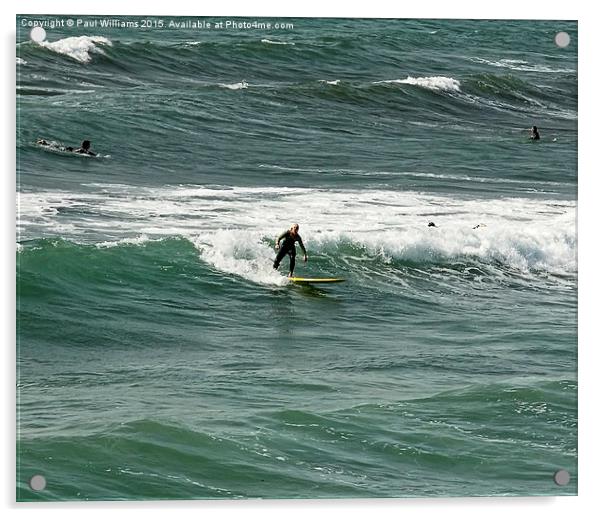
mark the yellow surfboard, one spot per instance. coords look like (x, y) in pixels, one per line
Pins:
(301, 280)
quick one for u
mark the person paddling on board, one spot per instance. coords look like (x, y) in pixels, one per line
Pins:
(290, 237)
(84, 149)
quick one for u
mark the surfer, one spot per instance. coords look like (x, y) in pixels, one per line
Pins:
(290, 237)
(534, 133)
(84, 149)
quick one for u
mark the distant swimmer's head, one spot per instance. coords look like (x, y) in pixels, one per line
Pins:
(295, 228)
(86, 145)
(431, 223)
(534, 133)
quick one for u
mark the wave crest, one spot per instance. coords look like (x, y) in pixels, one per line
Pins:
(271, 42)
(436, 83)
(239, 253)
(78, 47)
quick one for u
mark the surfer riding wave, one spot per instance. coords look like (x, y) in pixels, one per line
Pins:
(289, 238)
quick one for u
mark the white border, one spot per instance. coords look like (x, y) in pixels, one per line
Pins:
(589, 255)
(551, 10)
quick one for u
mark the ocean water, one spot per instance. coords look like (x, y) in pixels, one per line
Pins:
(160, 356)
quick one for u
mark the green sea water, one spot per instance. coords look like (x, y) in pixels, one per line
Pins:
(159, 354)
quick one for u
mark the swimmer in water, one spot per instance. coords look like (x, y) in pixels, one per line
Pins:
(534, 133)
(85, 149)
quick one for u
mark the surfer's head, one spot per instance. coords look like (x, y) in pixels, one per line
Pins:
(295, 228)
(431, 223)
(534, 133)
(86, 144)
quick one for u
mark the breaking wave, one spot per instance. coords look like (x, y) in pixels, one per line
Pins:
(79, 48)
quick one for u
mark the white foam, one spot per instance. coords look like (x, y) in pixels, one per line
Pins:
(271, 42)
(233, 226)
(333, 83)
(236, 86)
(436, 83)
(21, 61)
(135, 241)
(78, 47)
(239, 252)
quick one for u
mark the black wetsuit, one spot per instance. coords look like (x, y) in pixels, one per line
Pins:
(288, 247)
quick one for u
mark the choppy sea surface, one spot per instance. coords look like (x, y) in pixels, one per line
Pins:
(160, 356)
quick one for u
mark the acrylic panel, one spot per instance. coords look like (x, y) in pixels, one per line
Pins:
(162, 350)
